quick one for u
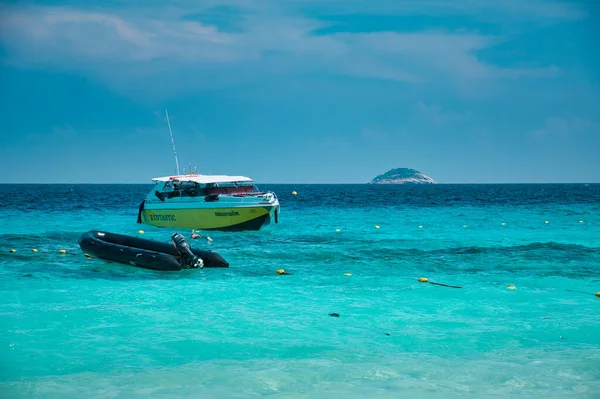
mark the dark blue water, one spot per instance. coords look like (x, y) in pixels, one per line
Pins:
(77, 327)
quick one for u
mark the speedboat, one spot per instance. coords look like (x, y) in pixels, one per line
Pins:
(208, 202)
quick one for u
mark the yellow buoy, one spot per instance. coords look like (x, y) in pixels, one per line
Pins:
(598, 294)
(34, 250)
(337, 230)
(546, 222)
(420, 227)
(294, 193)
(423, 280)
(376, 227)
(348, 274)
(141, 231)
(502, 224)
(464, 226)
(88, 255)
(13, 250)
(581, 221)
(511, 287)
(280, 271)
(63, 251)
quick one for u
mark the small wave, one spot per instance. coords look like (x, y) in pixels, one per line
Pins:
(576, 250)
(537, 259)
(535, 247)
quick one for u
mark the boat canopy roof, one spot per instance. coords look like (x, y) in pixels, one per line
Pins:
(204, 179)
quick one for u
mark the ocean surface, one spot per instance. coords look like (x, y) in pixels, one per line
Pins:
(73, 327)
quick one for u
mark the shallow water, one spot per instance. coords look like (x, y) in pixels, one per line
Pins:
(74, 327)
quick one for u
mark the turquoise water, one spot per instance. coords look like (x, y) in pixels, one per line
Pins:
(74, 327)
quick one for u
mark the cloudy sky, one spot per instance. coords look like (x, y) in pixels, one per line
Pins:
(300, 91)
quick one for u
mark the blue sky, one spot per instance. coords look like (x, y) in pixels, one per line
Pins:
(290, 91)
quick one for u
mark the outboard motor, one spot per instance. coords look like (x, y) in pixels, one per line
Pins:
(188, 258)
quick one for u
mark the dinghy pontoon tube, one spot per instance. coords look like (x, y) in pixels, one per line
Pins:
(148, 254)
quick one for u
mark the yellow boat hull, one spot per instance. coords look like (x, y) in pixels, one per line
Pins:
(227, 219)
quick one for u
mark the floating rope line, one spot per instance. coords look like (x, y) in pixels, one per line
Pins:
(445, 285)
(61, 252)
(426, 280)
(586, 293)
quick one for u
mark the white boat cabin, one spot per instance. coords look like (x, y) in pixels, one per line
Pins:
(208, 186)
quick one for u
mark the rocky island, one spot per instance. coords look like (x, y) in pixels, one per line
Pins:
(402, 176)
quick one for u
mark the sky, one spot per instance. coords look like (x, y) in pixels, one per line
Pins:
(291, 91)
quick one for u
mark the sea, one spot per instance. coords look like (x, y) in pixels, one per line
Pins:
(508, 309)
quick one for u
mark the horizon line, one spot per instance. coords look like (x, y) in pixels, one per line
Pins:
(300, 183)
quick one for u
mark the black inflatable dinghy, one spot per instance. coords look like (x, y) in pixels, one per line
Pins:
(148, 254)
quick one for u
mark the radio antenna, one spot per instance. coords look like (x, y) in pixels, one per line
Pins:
(172, 141)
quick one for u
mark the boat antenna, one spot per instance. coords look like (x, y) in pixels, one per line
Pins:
(172, 141)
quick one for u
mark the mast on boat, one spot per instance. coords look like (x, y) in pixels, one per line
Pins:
(172, 141)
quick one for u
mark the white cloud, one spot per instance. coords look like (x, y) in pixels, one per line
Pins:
(377, 134)
(504, 10)
(565, 127)
(129, 50)
(435, 114)
(52, 32)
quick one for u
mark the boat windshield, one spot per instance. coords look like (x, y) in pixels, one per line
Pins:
(176, 188)
(230, 188)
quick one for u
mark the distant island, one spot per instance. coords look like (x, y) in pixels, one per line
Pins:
(402, 176)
